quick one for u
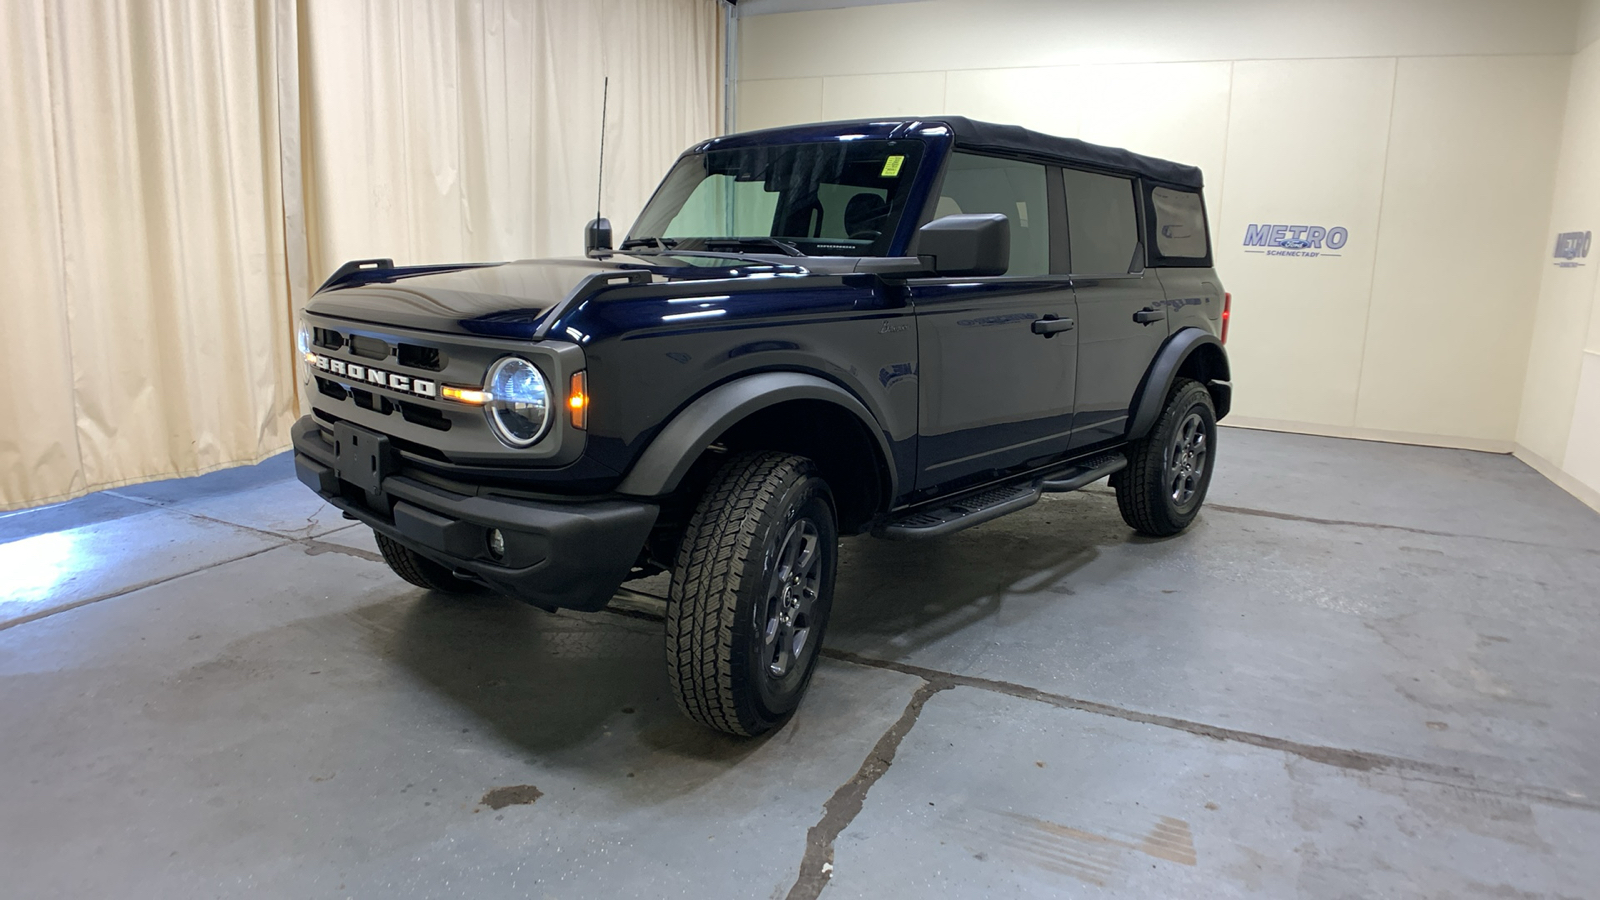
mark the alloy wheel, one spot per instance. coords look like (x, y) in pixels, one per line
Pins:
(1186, 460)
(792, 592)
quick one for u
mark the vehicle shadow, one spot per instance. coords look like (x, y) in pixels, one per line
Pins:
(572, 690)
(894, 597)
(589, 691)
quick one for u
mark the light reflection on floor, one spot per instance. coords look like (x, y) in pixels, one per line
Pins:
(30, 569)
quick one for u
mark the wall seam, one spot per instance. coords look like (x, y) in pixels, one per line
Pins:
(1550, 227)
(1377, 234)
(1227, 136)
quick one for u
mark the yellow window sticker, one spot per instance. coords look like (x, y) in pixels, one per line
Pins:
(891, 166)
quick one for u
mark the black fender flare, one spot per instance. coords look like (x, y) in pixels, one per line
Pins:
(674, 450)
(1152, 394)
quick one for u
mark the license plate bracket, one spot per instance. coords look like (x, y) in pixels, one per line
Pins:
(362, 458)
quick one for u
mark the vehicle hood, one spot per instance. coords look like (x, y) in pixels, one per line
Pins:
(512, 299)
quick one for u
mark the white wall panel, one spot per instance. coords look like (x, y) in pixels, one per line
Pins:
(1588, 29)
(1582, 457)
(1566, 302)
(1176, 111)
(784, 101)
(985, 34)
(1047, 99)
(1466, 196)
(1299, 323)
(901, 94)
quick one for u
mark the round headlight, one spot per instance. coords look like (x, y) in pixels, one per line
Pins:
(520, 410)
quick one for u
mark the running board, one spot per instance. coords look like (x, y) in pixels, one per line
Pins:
(988, 505)
(1086, 473)
(956, 515)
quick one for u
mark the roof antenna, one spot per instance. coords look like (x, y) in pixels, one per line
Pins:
(597, 235)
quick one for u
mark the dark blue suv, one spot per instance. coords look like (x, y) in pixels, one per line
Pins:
(902, 327)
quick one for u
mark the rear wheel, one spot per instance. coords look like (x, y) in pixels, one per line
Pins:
(751, 591)
(421, 571)
(1169, 469)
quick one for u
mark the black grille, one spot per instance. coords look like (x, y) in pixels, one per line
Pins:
(332, 389)
(369, 400)
(416, 356)
(369, 347)
(426, 416)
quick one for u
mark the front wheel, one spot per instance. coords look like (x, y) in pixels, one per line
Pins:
(1169, 469)
(751, 591)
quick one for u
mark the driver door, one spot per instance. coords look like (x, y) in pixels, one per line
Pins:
(997, 390)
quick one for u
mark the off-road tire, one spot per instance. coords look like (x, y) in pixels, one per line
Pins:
(421, 571)
(722, 583)
(1144, 488)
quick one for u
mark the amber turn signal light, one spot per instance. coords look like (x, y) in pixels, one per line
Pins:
(465, 395)
(578, 400)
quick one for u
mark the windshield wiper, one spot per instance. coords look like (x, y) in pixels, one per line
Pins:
(662, 243)
(787, 248)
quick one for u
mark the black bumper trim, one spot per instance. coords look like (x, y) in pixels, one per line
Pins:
(558, 555)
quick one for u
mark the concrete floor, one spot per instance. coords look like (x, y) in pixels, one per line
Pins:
(1368, 671)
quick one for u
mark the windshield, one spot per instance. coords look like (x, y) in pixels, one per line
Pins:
(834, 198)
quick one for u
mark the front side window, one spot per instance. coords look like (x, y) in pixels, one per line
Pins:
(1180, 223)
(985, 184)
(1102, 227)
(832, 198)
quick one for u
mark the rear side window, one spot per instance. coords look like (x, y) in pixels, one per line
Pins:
(1180, 223)
(1102, 227)
(983, 184)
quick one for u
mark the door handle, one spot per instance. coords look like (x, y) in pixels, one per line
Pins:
(1149, 314)
(1050, 326)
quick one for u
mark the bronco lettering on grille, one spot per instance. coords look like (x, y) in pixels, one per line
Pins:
(405, 384)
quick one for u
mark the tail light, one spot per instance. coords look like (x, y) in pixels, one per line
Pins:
(1227, 311)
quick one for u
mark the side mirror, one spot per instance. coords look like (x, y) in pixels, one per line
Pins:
(597, 236)
(967, 245)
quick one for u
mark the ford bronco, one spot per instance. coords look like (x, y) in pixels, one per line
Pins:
(897, 327)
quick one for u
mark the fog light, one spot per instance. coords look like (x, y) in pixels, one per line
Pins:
(497, 543)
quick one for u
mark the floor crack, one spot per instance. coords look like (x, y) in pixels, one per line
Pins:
(816, 867)
(1338, 757)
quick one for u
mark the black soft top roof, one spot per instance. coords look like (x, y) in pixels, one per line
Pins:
(1016, 139)
(982, 136)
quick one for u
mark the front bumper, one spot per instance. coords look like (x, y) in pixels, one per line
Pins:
(571, 555)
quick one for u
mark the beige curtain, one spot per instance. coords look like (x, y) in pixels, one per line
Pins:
(176, 176)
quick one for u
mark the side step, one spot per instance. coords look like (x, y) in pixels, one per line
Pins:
(966, 512)
(988, 505)
(1084, 473)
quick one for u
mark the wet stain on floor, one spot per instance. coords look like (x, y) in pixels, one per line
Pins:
(513, 795)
